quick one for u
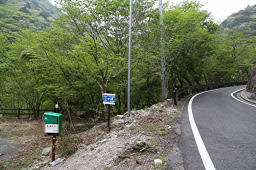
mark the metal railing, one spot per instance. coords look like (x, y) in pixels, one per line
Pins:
(185, 91)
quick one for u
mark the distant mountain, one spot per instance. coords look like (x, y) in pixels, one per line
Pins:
(23, 14)
(242, 21)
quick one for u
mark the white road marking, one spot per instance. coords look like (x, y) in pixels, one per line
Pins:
(232, 95)
(200, 144)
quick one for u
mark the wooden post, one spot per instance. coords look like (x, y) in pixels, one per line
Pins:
(53, 147)
(175, 97)
(108, 117)
(18, 113)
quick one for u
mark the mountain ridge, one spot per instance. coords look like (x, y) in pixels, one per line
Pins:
(241, 21)
(25, 14)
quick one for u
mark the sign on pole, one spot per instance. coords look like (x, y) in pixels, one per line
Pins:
(109, 98)
(51, 128)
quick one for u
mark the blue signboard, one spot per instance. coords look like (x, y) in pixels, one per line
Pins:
(109, 98)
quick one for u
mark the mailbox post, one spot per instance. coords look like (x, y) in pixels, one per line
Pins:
(109, 99)
(53, 127)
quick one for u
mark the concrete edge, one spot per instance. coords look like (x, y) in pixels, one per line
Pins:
(244, 95)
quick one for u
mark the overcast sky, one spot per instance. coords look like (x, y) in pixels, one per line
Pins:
(220, 9)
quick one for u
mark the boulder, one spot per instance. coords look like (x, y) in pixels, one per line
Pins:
(119, 116)
(46, 151)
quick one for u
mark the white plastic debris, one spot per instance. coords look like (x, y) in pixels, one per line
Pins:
(57, 161)
(158, 162)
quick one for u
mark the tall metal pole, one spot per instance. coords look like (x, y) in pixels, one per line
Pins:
(163, 76)
(129, 59)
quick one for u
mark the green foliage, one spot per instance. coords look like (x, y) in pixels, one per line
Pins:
(190, 35)
(84, 54)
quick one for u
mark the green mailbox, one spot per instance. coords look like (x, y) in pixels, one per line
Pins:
(53, 123)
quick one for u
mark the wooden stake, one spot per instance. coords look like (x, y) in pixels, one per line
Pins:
(53, 147)
(109, 118)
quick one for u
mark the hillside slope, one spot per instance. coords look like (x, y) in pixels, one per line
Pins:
(23, 14)
(242, 21)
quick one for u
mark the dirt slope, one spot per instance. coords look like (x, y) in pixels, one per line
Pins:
(133, 142)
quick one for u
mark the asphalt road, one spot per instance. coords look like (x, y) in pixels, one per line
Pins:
(227, 128)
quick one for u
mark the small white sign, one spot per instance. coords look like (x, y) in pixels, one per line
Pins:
(51, 128)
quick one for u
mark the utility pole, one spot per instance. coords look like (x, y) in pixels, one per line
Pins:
(163, 61)
(129, 60)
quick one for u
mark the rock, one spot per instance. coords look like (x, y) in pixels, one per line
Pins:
(120, 116)
(168, 127)
(46, 151)
(82, 146)
(158, 162)
(117, 122)
(103, 141)
(177, 130)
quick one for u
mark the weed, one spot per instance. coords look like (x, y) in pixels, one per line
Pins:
(85, 128)
(124, 156)
(118, 128)
(2, 166)
(67, 145)
(164, 134)
(100, 137)
(171, 122)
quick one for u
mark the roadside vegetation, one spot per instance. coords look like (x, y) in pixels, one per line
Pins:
(83, 54)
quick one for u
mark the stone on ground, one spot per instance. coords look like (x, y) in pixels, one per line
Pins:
(46, 151)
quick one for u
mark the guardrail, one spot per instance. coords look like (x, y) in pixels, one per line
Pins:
(179, 93)
(18, 112)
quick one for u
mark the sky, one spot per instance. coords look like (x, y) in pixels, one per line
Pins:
(220, 9)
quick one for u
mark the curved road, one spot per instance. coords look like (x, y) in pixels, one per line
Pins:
(227, 128)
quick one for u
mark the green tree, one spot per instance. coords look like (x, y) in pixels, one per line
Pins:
(189, 39)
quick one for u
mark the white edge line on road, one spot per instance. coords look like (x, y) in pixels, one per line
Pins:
(199, 141)
(232, 95)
